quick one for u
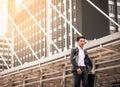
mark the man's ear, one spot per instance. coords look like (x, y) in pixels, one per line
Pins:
(86, 41)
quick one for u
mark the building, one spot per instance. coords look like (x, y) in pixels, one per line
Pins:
(52, 23)
(57, 27)
(5, 54)
(114, 12)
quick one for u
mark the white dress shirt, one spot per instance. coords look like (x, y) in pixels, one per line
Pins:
(81, 56)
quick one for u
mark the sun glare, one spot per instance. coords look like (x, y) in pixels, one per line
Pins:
(3, 31)
(17, 2)
(3, 16)
(49, 0)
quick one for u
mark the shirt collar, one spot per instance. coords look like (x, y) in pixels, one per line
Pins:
(80, 48)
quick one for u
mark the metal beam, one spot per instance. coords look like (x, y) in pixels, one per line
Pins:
(23, 37)
(71, 33)
(99, 53)
(36, 63)
(12, 50)
(64, 17)
(108, 56)
(65, 25)
(90, 2)
(40, 27)
(60, 56)
(107, 61)
(114, 51)
(4, 60)
(102, 41)
(106, 68)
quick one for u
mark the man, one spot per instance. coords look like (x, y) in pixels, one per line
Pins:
(81, 64)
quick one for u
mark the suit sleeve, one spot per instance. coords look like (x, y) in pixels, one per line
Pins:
(89, 63)
(73, 58)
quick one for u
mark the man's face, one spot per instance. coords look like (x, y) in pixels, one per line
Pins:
(81, 42)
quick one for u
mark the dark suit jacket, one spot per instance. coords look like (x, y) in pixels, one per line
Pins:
(74, 54)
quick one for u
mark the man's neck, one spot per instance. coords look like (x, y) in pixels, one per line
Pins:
(80, 47)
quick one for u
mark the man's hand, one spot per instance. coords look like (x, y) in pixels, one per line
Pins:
(79, 71)
(90, 72)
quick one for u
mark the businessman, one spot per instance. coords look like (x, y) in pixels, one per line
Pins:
(81, 64)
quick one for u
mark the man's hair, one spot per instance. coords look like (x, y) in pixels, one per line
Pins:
(80, 37)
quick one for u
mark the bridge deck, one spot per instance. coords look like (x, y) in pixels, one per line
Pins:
(55, 71)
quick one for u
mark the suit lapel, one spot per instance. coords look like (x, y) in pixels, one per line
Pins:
(77, 51)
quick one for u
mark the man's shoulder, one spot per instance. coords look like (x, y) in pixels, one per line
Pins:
(75, 48)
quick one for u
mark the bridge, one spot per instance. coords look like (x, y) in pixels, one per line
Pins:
(55, 71)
